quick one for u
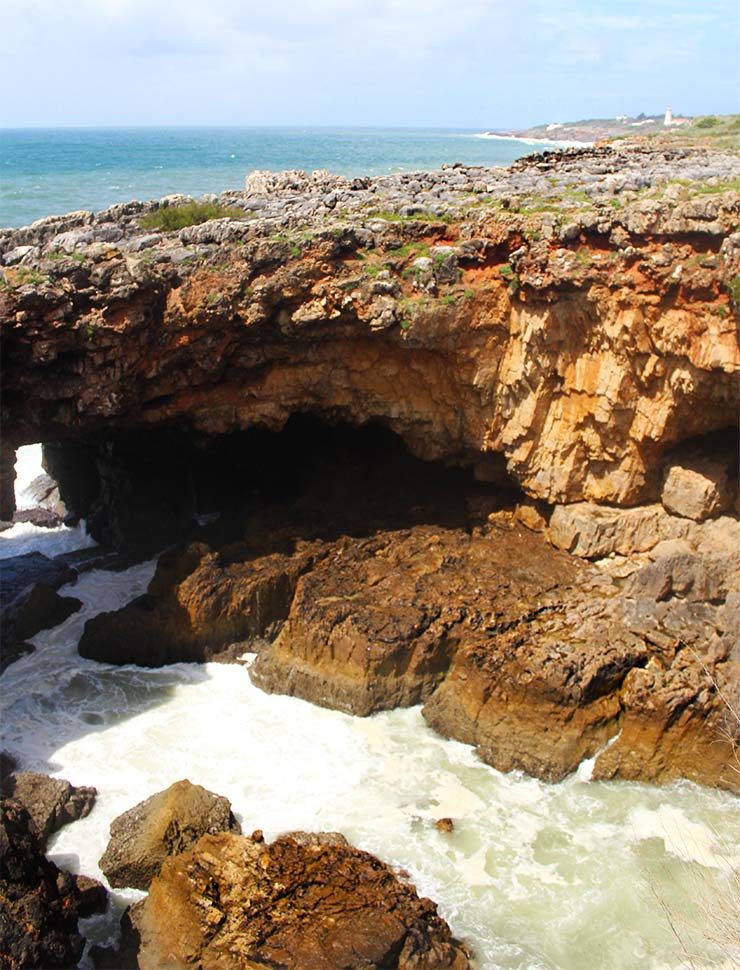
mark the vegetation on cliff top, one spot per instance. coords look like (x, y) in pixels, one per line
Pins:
(189, 214)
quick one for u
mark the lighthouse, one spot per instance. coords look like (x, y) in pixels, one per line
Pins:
(668, 120)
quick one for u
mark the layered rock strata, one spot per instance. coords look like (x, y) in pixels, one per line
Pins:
(568, 325)
(574, 314)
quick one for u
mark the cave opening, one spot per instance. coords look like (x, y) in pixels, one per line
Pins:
(328, 478)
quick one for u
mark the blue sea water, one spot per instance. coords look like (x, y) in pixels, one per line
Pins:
(45, 171)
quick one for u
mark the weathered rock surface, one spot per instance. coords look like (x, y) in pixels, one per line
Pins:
(298, 902)
(165, 824)
(92, 896)
(38, 904)
(50, 802)
(376, 624)
(697, 490)
(580, 342)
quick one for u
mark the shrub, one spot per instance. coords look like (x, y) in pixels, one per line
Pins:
(189, 214)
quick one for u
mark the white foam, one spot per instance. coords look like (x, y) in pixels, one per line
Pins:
(528, 872)
(27, 467)
(25, 537)
(687, 840)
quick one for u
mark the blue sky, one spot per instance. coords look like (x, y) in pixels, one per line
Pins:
(446, 63)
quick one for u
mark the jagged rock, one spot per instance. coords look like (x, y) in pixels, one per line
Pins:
(297, 902)
(698, 491)
(29, 603)
(44, 492)
(165, 824)
(44, 608)
(578, 366)
(38, 906)
(50, 802)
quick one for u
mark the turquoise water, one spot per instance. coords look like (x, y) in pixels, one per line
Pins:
(45, 171)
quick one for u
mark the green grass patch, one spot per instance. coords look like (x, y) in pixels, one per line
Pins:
(174, 217)
(415, 249)
(733, 288)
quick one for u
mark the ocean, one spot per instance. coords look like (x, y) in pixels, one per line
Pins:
(47, 171)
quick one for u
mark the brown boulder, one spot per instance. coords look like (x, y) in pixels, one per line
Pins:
(163, 825)
(38, 904)
(51, 802)
(697, 489)
(298, 902)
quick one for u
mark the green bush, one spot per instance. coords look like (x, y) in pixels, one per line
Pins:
(191, 214)
(709, 122)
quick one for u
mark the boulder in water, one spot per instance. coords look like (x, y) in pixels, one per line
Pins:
(163, 825)
(309, 901)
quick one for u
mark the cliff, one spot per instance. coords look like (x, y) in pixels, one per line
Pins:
(567, 329)
(573, 314)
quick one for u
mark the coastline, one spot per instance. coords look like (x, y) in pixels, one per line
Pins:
(555, 143)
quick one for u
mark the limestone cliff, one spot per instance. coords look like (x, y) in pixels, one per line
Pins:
(566, 328)
(574, 314)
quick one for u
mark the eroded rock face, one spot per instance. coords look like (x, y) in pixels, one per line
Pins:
(165, 824)
(38, 903)
(580, 343)
(297, 902)
(200, 602)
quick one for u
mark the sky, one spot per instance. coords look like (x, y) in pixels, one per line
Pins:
(428, 63)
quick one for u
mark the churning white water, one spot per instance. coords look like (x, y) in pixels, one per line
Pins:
(573, 876)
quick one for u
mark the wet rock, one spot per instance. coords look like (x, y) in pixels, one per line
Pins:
(200, 603)
(29, 603)
(698, 490)
(50, 802)
(21, 573)
(92, 896)
(298, 902)
(40, 517)
(43, 608)
(38, 906)
(165, 824)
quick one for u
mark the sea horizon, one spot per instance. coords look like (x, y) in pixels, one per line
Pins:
(51, 170)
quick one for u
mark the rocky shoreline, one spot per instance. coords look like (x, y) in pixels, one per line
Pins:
(549, 562)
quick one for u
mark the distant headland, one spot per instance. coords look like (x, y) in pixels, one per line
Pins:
(721, 130)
